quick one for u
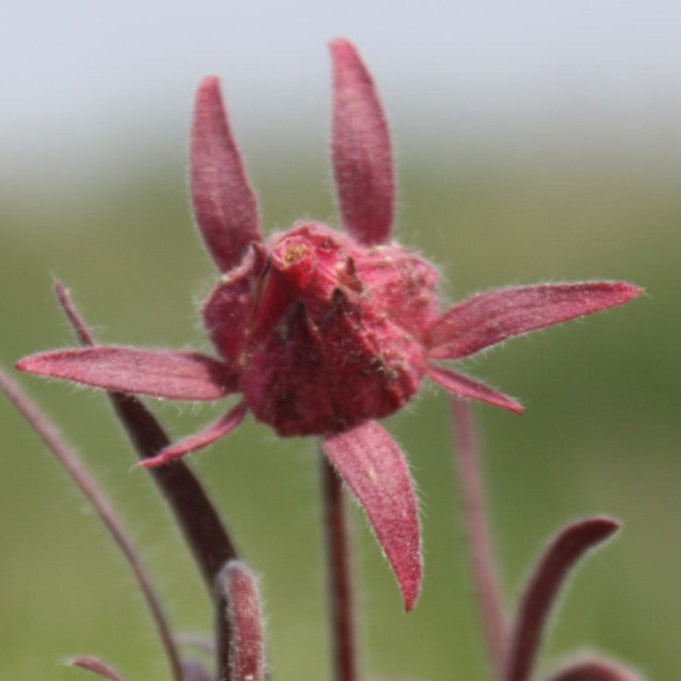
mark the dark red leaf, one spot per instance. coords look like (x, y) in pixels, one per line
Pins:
(558, 560)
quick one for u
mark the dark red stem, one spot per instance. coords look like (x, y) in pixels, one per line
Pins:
(478, 533)
(339, 574)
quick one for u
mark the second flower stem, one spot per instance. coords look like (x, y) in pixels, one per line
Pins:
(479, 540)
(339, 574)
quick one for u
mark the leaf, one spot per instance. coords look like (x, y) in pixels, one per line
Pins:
(562, 555)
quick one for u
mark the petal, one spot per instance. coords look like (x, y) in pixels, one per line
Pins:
(374, 467)
(362, 158)
(594, 669)
(571, 543)
(215, 431)
(491, 317)
(247, 654)
(174, 375)
(224, 203)
(466, 387)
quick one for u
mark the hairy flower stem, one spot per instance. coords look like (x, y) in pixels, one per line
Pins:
(339, 569)
(94, 494)
(479, 540)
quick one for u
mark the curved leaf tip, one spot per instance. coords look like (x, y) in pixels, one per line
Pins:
(562, 555)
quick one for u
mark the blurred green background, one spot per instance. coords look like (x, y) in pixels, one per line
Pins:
(536, 142)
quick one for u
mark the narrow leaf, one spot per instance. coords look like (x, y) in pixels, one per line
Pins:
(375, 469)
(225, 205)
(488, 318)
(247, 658)
(595, 670)
(362, 157)
(559, 559)
(96, 666)
(173, 375)
(466, 387)
(215, 431)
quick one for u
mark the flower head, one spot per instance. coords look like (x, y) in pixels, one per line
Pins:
(323, 332)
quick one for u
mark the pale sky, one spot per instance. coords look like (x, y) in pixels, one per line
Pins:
(81, 76)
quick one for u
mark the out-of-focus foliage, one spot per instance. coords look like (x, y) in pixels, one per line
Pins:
(601, 433)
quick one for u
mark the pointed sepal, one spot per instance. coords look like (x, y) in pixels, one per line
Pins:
(169, 374)
(362, 156)
(473, 390)
(375, 469)
(219, 429)
(225, 205)
(491, 317)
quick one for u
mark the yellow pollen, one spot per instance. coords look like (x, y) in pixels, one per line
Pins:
(295, 253)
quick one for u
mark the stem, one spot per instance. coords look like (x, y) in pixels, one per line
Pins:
(94, 494)
(339, 569)
(478, 535)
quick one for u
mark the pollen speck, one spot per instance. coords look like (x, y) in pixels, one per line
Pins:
(295, 253)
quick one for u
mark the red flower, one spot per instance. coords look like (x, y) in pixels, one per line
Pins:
(324, 332)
